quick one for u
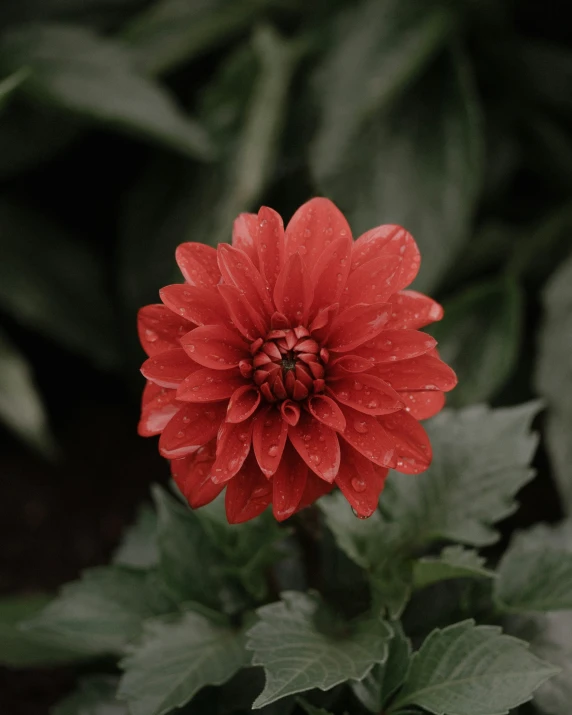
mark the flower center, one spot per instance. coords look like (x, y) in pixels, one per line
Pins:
(288, 364)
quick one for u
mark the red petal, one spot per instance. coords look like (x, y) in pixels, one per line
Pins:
(315, 488)
(317, 445)
(374, 282)
(326, 410)
(192, 476)
(423, 405)
(420, 373)
(206, 385)
(168, 369)
(243, 403)
(410, 309)
(314, 223)
(244, 232)
(198, 264)
(270, 244)
(360, 481)
(412, 445)
(248, 494)
(157, 408)
(293, 292)
(243, 316)
(238, 270)
(268, 439)
(288, 484)
(394, 345)
(159, 330)
(330, 273)
(365, 434)
(320, 326)
(357, 325)
(202, 306)
(290, 412)
(191, 428)
(366, 393)
(233, 446)
(388, 240)
(215, 346)
(348, 363)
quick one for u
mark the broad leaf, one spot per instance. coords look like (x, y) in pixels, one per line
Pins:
(138, 547)
(95, 695)
(312, 709)
(10, 84)
(479, 337)
(554, 378)
(176, 657)
(21, 408)
(453, 562)
(307, 657)
(472, 670)
(72, 68)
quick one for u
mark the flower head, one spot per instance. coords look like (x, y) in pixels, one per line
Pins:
(291, 362)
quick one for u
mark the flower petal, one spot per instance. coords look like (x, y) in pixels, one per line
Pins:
(192, 427)
(389, 240)
(168, 369)
(330, 273)
(270, 242)
(423, 405)
(159, 330)
(192, 476)
(340, 366)
(248, 494)
(198, 264)
(243, 316)
(314, 224)
(360, 481)
(206, 385)
(243, 403)
(288, 484)
(365, 434)
(366, 393)
(293, 292)
(374, 282)
(315, 488)
(410, 309)
(412, 445)
(424, 372)
(317, 445)
(357, 325)
(394, 345)
(238, 270)
(202, 306)
(244, 232)
(158, 406)
(269, 434)
(215, 346)
(233, 447)
(290, 412)
(326, 410)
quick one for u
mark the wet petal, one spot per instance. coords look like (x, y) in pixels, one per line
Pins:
(268, 439)
(394, 345)
(192, 476)
(248, 494)
(374, 282)
(290, 412)
(326, 410)
(339, 367)
(410, 309)
(423, 405)
(270, 243)
(330, 273)
(425, 372)
(389, 240)
(368, 437)
(247, 320)
(158, 406)
(243, 403)
(191, 428)
(357, 325)
(412, 445)
(198, 264)
(233, 447)
(288, 484)
(202, 306)
(366, 393)
(244, 232)
(168, 369)
(315, 488)
(360, 481)
(206, 385)
(215, 346)
(293, 293)
(317, 445)
(159, 329)
(238, 270)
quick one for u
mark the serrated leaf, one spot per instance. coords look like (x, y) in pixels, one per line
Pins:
(466, 669)
(176, 657)
(554, 378)
(479, 337)
(94, 695)
(480, 461)
(97, 615)
(72, 68)
(453, 562)
(138, 547)
(308, 658)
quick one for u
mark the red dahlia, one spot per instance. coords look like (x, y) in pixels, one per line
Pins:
(291, 362)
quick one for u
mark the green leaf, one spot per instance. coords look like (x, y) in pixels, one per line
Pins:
(95, 695)
(453, 562)
(535, 573)
(176, 657)
(479, 337)
(480, 461)
(71, 67)
(308, 658)
(427, 145)
(466, 669)
(138, 547)
(99, 614)
(21, 408)
(53, 283)
(377, 50)
(10, 84)
(311, 709)
(554, 378)
(19, 649)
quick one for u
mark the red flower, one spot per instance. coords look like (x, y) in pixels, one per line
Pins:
(291, 362)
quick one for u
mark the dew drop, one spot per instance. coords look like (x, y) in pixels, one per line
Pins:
(180, 434)
(151, 336)
(273, 450)
(358, 484)
(358, 385)
(360, 426)
(191, 347)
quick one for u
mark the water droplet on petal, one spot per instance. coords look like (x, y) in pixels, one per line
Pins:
(273, 450)
(358, 484)
(360, 426)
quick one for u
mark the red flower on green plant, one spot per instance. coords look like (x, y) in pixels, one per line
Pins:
(291, 362)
